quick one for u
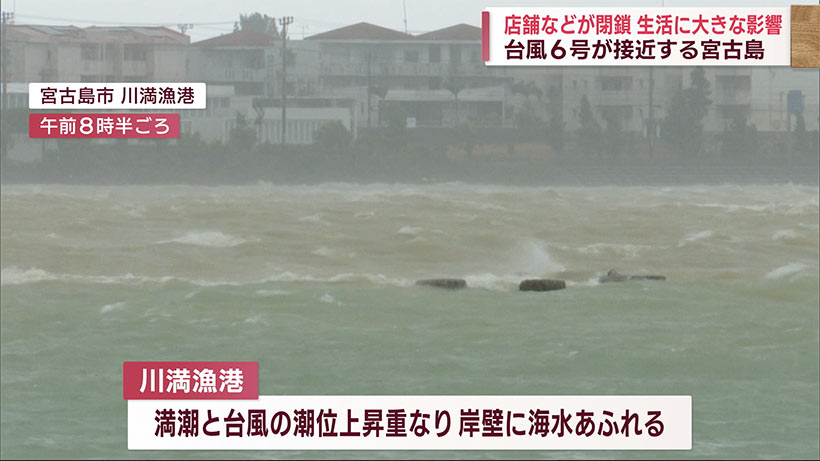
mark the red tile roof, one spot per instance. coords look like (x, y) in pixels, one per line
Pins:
(361, 31)
(239, 39)
(153, 34)
(457, 32)
(123, 34)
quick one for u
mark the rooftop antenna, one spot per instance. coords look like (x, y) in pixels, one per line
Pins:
(405, 15)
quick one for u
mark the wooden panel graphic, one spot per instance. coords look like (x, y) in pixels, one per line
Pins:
(805, 35)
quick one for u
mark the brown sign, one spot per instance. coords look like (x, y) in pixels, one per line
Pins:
(805, 35)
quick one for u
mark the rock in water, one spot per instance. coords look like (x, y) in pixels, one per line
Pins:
(450, 284)
(614, 276)
(542, 285)
(647, 277)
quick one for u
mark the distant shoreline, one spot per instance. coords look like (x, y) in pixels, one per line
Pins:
(536, 172)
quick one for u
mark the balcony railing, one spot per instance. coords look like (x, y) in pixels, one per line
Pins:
(429, 69)
(733, 96)
(232, 74)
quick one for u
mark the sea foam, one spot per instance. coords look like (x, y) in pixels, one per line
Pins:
(212, 239)
(785, 271)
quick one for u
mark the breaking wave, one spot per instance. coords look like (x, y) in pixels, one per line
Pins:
(785, 234)
(695, 237)
(785, 271)
(212, 239)
(112, 307)
(15, 276)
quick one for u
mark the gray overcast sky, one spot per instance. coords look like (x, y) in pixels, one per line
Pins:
(214, 17)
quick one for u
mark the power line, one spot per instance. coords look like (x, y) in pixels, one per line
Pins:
(6, 18)
(284, 21)
(121, 23)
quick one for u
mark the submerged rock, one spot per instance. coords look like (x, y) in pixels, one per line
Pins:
(542, 285)
(647, 277)
(450, 284)
(614, 276)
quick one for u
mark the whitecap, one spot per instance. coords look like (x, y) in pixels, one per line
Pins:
(785, 234)
(15, 276)
(408, 230)
(212, 239)
(317, 218)
(532, 258)
(697, 236)
(113, 306)
(328, 299)
(323, 251)
(593, 281)
(376, 279)
(253, 319)
(785, 271)
(490, 281)
(273, 292)
(626, 249)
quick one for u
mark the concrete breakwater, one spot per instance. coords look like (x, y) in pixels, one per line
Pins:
(537, 284)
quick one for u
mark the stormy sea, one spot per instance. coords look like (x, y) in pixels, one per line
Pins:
(317, 284)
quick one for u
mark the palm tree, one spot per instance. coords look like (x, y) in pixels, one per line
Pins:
(455, 86)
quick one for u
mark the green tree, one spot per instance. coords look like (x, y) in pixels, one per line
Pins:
(333, 136)
(589, 136)
(395, 117)
(455, 85)
(528, 120)
(741, 137)
(257, 22)
(683, 126)
(555, 127)
(13, 123)
(615, 136)
(243, 134)
(466, 138)
(802, 138)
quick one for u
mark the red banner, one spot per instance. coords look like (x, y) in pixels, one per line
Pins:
(89, 126)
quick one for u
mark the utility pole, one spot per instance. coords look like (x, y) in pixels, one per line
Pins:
(184, 28)
(284, 21)
(650, 122)
(404, 3)
(369, 88)
(7, 18)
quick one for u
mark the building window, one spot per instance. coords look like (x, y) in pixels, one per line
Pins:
(730, 111)
(616, 83)
(411, 56)
(434, 53)
(455, 54)
(133, 53)
(623, 113)
(734, 83)
(90, 53)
